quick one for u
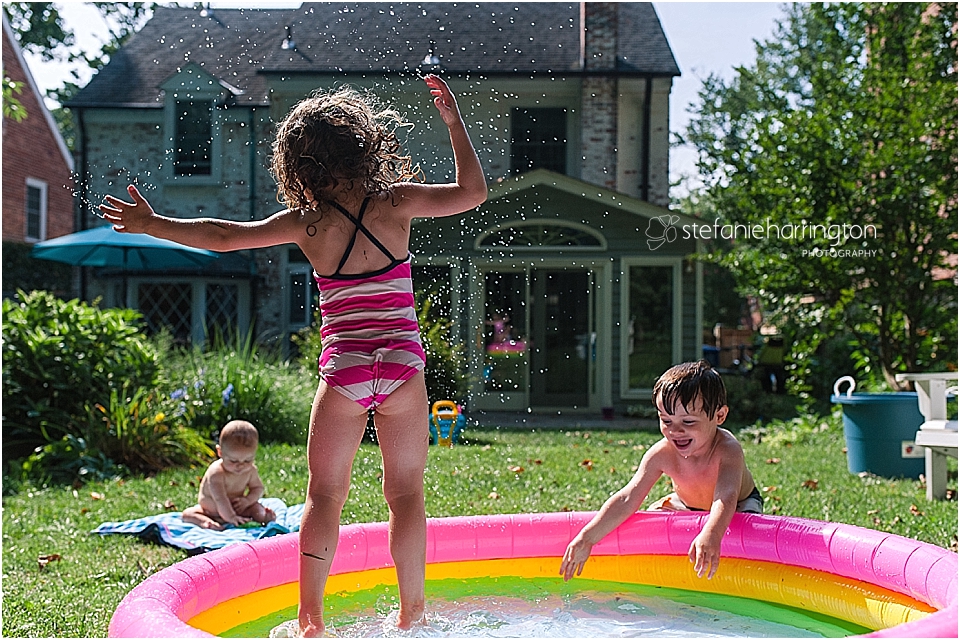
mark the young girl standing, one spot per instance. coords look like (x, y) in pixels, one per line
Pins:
(350, 201)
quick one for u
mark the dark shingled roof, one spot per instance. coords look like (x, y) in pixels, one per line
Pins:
(241, 46)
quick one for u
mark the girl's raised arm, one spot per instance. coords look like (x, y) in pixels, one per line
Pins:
(213, 234)
(470, 188)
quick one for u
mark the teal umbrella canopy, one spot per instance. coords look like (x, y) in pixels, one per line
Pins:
(104, 247)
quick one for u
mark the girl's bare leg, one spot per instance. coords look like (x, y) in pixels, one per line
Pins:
(403, 433)
(336, 428)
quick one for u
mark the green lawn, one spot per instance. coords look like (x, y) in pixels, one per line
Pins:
(801, 467)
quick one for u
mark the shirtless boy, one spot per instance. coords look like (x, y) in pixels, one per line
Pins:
(231, 488)
(704, 462)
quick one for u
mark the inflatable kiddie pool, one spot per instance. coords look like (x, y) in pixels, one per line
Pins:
(879, 581)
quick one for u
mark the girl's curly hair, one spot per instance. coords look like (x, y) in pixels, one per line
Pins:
(335, 137)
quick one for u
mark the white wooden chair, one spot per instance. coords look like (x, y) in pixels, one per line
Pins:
(937, 435)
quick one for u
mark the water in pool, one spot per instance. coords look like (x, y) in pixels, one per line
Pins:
(546, 607)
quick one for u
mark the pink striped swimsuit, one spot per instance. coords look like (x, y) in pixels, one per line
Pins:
(369, 333)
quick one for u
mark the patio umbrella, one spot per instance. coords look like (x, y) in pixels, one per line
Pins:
(104, 247)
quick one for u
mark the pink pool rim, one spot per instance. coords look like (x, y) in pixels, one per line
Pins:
(163, 603)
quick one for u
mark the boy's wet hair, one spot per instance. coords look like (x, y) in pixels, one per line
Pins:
(686, 382)
(333, 138)
(239, 433)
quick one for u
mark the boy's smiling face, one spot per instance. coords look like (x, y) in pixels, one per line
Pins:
(688, 429)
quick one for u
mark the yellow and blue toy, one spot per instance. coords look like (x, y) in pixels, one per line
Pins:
(446, 423)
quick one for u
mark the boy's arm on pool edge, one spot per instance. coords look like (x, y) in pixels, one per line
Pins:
(704, 551)
(612, 514)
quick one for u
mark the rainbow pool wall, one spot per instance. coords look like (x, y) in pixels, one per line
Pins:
(897, 586)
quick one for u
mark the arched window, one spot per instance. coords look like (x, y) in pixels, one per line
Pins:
(534, 235)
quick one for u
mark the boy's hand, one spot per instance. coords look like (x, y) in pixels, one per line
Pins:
(705, 555)
(575, 557)
(443, 99)
(128, 217)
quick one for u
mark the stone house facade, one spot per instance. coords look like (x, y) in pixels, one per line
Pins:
(567, 105)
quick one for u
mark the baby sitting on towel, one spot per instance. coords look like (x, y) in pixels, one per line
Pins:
(231, 488)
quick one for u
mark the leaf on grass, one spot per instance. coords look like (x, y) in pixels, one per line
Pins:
(877, 521)
(873, 512)
(84, 510)
(537, 461)
(174, 483)
(494, 495)
(169, 505)
(516, 469)
(44, 560)
(96, 496)
(769, 489)
(812, 485)
(915, 510)
(588, 464)
(950, 495)
(613, 469)
(773, 460)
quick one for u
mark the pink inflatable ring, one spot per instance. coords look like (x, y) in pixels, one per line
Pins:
(897, 586)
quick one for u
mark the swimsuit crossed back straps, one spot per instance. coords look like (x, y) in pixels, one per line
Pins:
(369, 333)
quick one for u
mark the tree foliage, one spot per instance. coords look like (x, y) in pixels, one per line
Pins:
(848, 116)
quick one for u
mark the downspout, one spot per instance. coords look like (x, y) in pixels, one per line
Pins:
(645, 150)
(252, 203)
(83, 191)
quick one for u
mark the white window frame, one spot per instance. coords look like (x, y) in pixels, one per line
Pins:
(677, 335)
(479, 246)
(34, 183)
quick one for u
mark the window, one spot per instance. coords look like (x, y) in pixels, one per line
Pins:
(524, 235)
(36, 209)
(538, 139)
(193, 138)
(651, 323)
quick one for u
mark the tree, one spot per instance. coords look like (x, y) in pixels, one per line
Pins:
(837, 152)
(41, 29)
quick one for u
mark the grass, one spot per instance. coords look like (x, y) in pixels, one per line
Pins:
(800, 465)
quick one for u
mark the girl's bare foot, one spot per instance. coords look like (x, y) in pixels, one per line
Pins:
(409, 617)
(310, 627)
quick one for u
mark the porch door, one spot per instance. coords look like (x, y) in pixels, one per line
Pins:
(561, 332)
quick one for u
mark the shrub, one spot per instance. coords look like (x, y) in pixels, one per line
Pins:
(59, 356)
(209, 387)
(133, 428)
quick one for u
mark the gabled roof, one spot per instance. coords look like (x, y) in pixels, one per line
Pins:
(242, 46)
(48, 117)
(613, 200)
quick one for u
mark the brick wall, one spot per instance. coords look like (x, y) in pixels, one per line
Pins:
(598, 140)
(30, 150)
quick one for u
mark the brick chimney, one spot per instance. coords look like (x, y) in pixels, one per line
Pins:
(598, 107)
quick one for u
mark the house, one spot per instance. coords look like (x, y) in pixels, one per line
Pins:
(37, 194)
(570, 288)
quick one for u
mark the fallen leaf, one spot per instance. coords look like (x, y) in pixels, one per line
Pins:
(873, 512)
(169, 505)
(613, 469)
(950, 495)
(44, 560)
(915, 510)
(84, 510)
(812, 485)
(96, 496)
(516, 469)
(174, 483)
(773, 460)
(877, 521)
(844, 450)
(638, 447)
(769, 489)
(494, 495)
(588, 464)
(565, 508)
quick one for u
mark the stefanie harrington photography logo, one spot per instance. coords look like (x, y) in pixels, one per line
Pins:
(825, 240)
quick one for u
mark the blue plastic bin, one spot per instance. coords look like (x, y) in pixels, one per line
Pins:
(879, 429)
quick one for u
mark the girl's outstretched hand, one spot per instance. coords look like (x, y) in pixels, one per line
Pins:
(128, 217)
(443, 99)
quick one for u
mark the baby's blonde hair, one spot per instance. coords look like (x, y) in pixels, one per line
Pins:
(337, 137)
(239, 433)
